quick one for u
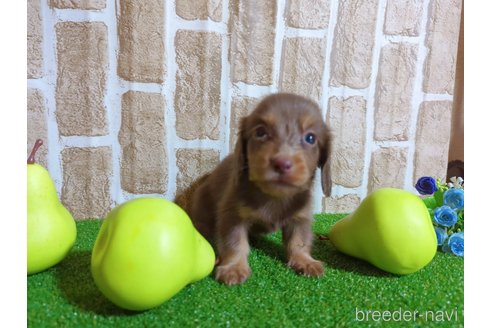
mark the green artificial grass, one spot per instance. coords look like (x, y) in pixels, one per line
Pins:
(274, 296)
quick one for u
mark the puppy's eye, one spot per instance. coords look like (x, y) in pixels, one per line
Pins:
(261, 133)
(310, 138)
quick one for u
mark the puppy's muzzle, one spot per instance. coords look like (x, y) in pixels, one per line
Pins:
(282, 164)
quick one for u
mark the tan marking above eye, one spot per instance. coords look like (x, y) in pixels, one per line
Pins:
(308, 122)
(269, 119)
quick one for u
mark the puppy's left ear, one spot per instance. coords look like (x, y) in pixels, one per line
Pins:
(324, 163)
(240, 163)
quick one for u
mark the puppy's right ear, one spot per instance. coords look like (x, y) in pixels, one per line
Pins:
(240, 157)
(325, 163)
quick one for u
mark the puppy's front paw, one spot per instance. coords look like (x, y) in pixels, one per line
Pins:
(232, 274)
(306, 266)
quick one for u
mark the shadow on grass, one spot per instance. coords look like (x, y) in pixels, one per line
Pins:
(323, 250)
(74, 278)
(265, 245)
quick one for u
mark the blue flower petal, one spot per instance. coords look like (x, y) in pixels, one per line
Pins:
(445, 216)
(454, 198)
(426, 185)
(441, 236)
(456, 243)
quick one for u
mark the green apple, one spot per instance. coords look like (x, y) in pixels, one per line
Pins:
(51, 230)
(146, 251)
(391, 229)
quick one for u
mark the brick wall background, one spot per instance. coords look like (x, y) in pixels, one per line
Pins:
(138, 98)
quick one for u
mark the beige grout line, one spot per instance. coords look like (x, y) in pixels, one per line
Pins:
(170, 28)
(49, 89)
(112, 101)
(278, 46)
(81, 15)
(326, 92)
(371, 96)
(417, 95)
(201, 25)
(225, 85)
(293, 32)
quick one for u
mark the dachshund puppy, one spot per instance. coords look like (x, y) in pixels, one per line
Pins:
(265, 185)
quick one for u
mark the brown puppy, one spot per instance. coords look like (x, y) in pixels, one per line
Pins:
(265, 185)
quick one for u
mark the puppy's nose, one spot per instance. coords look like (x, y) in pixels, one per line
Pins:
(281, 164)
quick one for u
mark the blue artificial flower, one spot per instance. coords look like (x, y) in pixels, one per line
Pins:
(426, 186)
(441, 235)
(456, 243)
(445, 216)
(455, 198)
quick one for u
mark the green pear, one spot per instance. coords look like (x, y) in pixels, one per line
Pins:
(51, 229)
(146, 251)
(391, 229)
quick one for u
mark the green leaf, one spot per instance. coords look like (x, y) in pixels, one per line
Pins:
(439, 197)
(430, 202)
